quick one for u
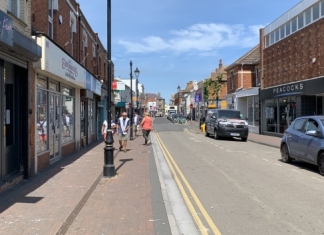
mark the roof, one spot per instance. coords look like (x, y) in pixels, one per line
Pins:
(153, 95)
(251, 57)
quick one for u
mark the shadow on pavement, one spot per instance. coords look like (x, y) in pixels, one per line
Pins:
(123, 162)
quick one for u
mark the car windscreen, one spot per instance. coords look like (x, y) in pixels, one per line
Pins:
(229, 114)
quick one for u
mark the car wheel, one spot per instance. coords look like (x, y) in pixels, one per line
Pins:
(285, 157)
(244, 138)
(216, 137)
(320, 163)
(206, 133)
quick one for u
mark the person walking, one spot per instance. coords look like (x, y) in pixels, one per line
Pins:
(105, 126)
(147, 126)
(42, 132)
(122, 131)
(137, 120)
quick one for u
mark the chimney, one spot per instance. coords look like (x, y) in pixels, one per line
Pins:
(220, 64)
(159, 94)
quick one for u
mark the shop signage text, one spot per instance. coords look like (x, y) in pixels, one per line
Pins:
(6, 34)
(70, 70)
(288, 88)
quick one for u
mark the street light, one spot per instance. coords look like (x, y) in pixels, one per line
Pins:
(109, 167)
(137, 72)
(131, 95)
(178, 88)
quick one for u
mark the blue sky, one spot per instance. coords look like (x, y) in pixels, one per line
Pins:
(173, 42)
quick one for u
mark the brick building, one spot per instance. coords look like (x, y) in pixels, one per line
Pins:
(243, 87)
(69, 82)
(292, 66)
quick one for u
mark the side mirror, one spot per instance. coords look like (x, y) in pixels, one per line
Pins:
(213, 117)
(311, 133)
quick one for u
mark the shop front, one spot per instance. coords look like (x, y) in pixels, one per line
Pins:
(16, 52)
(282, 104)
(59, 80)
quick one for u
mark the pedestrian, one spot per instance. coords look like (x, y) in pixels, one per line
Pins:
(122, 131)
(105, 126)
(66, 124)
(147, 126)
(137, 121)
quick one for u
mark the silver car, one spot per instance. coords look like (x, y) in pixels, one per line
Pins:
(304, 140)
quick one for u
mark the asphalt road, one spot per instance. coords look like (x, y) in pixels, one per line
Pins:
(243, 187)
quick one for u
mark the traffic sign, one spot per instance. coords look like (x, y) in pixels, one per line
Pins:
(191, 106)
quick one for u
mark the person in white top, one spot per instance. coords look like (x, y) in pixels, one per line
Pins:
(122, 131)
(66, 124)
(137, 120)
(42, 131)
(105, 126)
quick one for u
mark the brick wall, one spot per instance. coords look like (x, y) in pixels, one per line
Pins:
(247, 75)
(290, 59)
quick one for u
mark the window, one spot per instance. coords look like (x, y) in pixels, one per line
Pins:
(282, 32)
(14, 7)
(322, 8)
(232, 80)
(308, 16)
(41, 121)
(311, 125)
(316, 11)
(288, 28)
(294, 25)
(277, 35)
(298, 125)
(267, 41)
(272, 38)
(50, 18)
(300, 20)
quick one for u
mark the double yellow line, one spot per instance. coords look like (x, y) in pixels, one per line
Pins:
(176, 172)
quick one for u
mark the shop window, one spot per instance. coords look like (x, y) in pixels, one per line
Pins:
(316, 11)
(256, 111)
(41, 121)
(68, 119)
(270, 115)
(41, 83)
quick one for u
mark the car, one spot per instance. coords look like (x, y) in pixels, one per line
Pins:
(226, 123)
(304, 140)
(158, 114)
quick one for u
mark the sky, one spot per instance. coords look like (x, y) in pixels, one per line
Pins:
(173, 42)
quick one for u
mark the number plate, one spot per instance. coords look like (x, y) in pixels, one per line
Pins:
(235, 134)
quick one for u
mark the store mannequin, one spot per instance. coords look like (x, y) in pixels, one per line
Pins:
(288, 117)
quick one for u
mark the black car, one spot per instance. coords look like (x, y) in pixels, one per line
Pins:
(226, 123)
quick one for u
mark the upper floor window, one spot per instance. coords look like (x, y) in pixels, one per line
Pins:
(14, 7)
(232, 80)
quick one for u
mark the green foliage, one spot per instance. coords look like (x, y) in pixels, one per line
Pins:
(206, 86)
(217, 86)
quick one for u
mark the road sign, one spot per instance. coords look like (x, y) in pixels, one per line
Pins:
(191, 106)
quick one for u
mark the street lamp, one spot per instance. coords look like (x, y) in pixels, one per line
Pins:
(137, 72)
(131, 95)
(109, 167)
(178, 88)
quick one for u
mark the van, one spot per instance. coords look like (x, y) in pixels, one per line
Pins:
(226, 123)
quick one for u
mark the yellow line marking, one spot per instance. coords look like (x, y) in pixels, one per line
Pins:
(182, 190)
(193, 194)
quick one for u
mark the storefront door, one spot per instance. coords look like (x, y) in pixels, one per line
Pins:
(55, 125)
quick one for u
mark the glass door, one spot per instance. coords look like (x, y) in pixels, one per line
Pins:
(55, 125)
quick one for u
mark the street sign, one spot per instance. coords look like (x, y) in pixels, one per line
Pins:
(129, 105)
(191, 106)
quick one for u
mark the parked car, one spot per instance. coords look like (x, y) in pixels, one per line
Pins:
(304, 140)
(158, 114)
(226, 123)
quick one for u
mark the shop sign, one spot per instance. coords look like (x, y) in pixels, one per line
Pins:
(57, 62)
(6, 32)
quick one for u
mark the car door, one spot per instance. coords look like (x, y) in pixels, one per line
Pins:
(309, 144)
(213, 122)
(293, 136)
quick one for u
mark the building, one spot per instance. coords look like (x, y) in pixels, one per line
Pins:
(69, 83)
(18, 51)
(292, 74)
(243, 87)
(155, 103)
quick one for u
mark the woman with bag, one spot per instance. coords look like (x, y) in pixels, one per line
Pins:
(147, 126)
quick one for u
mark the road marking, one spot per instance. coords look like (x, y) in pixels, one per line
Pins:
(265, 159)
(175, 169)
(235, 151)
(295, 171)
(318, 179)
(253, 155)
(278, 164)
(221, 147)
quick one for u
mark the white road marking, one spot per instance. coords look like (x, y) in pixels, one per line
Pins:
(295, 171)
(278, 164)
(235, 151)
(318, 179)
(253, 155)
(265, 159)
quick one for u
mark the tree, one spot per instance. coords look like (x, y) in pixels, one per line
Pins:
(206, 86)
(217, 86)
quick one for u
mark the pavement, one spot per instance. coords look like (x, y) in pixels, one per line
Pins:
(72, 197)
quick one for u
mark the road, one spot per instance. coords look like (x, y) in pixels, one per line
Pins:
(235, 187)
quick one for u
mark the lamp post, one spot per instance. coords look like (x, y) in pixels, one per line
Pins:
(178, 88)
(137, 72)
(131, 96)
(109, 167)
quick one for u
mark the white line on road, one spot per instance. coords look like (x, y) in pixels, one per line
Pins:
(233, 151)
(278, 164)
(318, 179)
(221, 147)
(265, 159)
(253, 155)
(295, 171)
